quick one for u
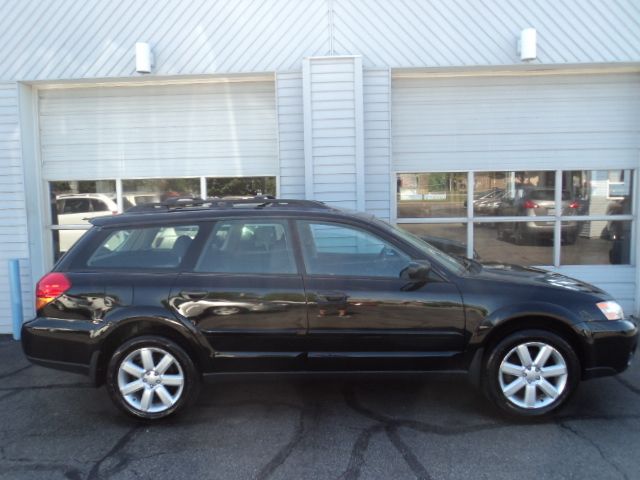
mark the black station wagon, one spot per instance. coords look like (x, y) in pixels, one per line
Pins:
(153, 301)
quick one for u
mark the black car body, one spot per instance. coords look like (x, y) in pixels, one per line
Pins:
(275, 285)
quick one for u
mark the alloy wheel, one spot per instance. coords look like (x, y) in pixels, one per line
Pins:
(533, 375)
(150, 380)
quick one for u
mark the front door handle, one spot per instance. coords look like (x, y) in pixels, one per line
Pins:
(194, 295)
(333, 297)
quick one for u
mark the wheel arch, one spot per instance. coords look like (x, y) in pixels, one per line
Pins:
(491, 332)
(137, 326)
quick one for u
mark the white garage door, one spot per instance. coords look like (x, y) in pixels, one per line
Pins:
(516, 122)
(212, 129)
(481, 146)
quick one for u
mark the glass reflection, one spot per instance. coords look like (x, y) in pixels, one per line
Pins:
(599, 243)
(432, 195)
(241, 186)
(600, 192)
(499, 242)
(150, 190)
(75, 203)
(448, 237)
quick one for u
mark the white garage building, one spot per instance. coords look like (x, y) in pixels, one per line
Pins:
(420, 112)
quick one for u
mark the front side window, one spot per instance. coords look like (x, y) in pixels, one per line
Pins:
(144, 248)
(251, 246)
(342, 250)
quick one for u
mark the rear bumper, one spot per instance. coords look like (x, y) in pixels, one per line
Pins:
(608, 346)
(61, 344)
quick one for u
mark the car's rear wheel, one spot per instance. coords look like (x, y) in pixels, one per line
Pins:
(151, 377)
(531, 373)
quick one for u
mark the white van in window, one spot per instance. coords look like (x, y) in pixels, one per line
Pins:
(77, 209)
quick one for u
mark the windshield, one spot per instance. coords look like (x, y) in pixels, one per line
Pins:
(452, 263)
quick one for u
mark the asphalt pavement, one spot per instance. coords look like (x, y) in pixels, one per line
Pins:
(55, 425)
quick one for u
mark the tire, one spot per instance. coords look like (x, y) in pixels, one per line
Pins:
(519, 236)
(501, 232)
(535, 394)
(168, 382)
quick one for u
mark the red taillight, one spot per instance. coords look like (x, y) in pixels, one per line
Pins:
(530, 204)
(114, 212)
(50, 287)
(574, 205)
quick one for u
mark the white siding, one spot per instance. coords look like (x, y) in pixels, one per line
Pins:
(334, 138)
(290, 134)
(516, 122)
(215, 129)
(96, 38)
(442, 33)
(13, 221)
(377, 141)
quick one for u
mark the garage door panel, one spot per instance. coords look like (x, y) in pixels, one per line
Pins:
(461, 123)
(158, 130)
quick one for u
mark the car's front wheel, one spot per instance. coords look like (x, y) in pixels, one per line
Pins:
(151, 377)
(531, 373)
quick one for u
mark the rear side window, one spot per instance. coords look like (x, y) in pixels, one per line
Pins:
(158, 247)
(258, 246)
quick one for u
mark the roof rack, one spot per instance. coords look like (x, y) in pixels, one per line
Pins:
(225, 203)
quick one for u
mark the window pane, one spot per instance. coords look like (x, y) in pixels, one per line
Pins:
(516, 194)
(74, 202)
(432, 195)
(248, 246)
(334, 249)
(147, 190)
(153, 247)
(241, 186)
(520, 243)
(451, 238)
(599, 243)
(599, 192)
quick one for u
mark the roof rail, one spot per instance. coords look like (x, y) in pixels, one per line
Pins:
(257, 202)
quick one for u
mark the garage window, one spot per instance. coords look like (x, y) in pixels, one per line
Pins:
(573, 217)
(73, 203)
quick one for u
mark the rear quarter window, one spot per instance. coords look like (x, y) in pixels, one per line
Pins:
(157, 247)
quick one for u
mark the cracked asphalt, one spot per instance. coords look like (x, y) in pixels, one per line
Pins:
(54, 425)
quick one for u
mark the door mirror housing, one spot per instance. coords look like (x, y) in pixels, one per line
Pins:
(416, 271)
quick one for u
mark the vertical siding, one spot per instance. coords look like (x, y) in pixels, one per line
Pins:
(333, 96)
(377, 141)
(13, 217)
(290, 134)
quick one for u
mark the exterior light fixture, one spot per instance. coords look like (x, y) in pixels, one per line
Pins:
(527, 45)
(144, 58)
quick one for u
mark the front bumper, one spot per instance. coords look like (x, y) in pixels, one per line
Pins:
(608, 346)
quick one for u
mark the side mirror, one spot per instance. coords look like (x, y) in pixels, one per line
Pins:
(416, 271)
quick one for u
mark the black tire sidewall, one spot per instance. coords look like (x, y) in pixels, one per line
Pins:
(491, 384)
(191, 374)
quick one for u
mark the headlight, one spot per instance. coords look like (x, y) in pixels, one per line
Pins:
(611, 310)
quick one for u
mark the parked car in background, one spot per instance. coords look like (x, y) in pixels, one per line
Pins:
(532, 203)
(77, 209)
(154, 301)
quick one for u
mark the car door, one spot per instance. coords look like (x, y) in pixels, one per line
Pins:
(363, 308)
(246, 295)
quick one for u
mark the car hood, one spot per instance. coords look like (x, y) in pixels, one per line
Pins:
(533, 276)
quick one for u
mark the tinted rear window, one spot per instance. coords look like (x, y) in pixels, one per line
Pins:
(158, 247)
